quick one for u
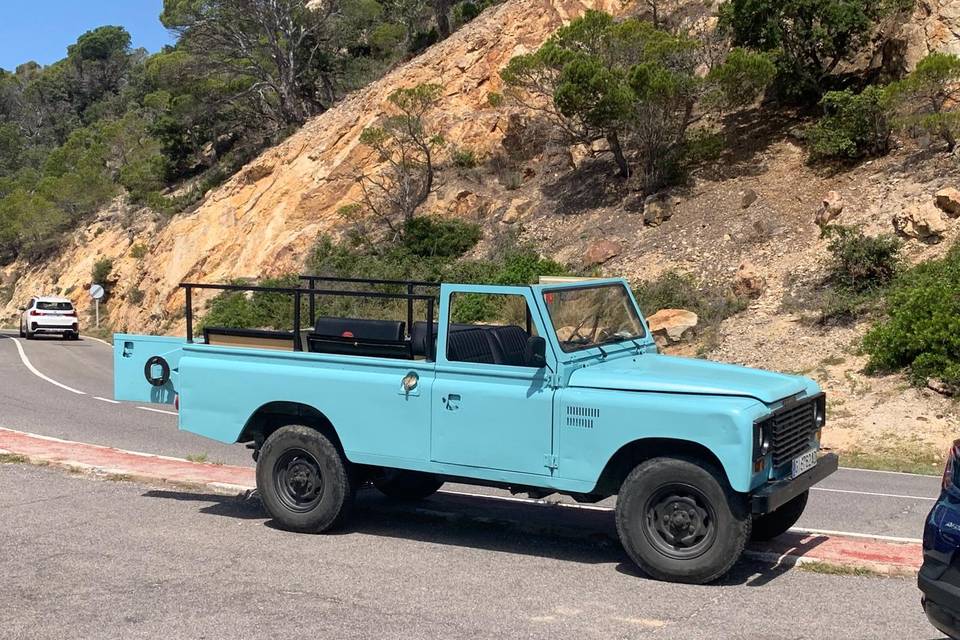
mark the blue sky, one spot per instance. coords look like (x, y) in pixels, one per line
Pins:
(41, 30)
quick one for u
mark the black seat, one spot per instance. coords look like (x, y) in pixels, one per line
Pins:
(470, 345)
(511, 341)
(359, 337)
(361, 328)
(418, 335)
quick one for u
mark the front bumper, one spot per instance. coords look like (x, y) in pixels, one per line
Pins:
(941, 604)
(773, 495)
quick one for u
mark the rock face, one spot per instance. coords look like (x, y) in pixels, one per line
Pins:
(265, 219)
(934, 26)
(920, 222)
(948, 200)
(673, 325)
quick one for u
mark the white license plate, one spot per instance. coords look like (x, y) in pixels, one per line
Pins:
(802, 464)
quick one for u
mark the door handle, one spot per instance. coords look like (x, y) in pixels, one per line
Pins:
(451, 402)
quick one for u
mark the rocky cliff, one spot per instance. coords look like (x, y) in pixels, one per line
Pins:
(264, 220)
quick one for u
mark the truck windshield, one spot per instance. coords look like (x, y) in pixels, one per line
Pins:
(592, 316)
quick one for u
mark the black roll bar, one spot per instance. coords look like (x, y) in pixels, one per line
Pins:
(312, 280)
(298, 291)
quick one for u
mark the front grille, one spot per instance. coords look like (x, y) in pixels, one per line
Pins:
(791, 430)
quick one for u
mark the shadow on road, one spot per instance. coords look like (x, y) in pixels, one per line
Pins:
(543, 530)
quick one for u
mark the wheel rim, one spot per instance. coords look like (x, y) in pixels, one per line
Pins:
(679, 521)
(298, 480)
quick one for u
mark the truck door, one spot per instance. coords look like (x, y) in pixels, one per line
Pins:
(491, 407)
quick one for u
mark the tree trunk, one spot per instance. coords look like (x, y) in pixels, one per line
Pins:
(614, 141)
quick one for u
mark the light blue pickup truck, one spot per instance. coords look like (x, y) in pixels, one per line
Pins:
(549, 388)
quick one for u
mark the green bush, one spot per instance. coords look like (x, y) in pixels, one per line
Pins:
(464, 158)
(135, 296)
(922, 330)
(252, 310)
(927, 99)
(139, 251)
(100, 274)
(861, 263)
(430, 237)
(854, 125)
(674, 290)
(808, 38)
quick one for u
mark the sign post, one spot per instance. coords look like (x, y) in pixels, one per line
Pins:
(96, 292)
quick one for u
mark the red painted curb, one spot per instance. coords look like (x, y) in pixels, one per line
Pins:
(898, 557)
(881, 555)
(110, 460)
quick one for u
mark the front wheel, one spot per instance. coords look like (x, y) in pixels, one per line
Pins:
(304, 480)
(679, 521)
(775, 523)
(407, 485)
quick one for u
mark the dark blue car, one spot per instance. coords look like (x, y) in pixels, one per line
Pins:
(939, 577)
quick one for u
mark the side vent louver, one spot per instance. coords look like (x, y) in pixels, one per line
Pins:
(582, 416)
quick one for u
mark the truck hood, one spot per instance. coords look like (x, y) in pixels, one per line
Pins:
(670, 374)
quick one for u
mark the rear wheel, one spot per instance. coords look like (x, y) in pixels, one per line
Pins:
(775, 523)
(305, 482)
(407, 485)
(27, 334)
(679, 521)
(23, 334)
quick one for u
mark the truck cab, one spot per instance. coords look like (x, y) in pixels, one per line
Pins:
(542, 388)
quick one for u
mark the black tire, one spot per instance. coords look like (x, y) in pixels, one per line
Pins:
(406, 485)
(771, 525)
(23, 334)
(714, 520)
(27, 334)
(304, 481)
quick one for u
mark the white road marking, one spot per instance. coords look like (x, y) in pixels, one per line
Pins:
(86, 337)
(896, 473)
(33, 370)
(878, 495)
(106, 400)
(567, 505)
(169, 413)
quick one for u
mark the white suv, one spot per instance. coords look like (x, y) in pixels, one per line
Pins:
(49, 315)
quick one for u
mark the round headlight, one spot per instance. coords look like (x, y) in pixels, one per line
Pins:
(763, 442)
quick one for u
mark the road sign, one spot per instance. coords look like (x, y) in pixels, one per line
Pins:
(96, 292)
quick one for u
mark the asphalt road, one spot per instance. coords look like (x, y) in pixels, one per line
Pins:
(85, 557)
(852, 501)
(89, 558)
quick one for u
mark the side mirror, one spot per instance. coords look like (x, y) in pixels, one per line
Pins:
(535, 355)
(22, 308)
